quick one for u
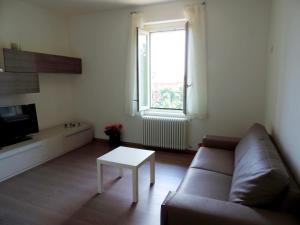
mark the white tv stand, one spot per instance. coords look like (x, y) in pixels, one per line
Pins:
(46, 145)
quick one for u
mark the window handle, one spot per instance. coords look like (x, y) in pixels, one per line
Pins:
(189, 85)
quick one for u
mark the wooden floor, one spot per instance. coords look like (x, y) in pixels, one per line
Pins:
(63, 191)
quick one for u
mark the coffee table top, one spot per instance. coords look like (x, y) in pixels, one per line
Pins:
(131, 157)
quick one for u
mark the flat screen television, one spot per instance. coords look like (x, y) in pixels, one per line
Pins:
(16, 123)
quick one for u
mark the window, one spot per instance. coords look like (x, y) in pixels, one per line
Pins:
(162, 67)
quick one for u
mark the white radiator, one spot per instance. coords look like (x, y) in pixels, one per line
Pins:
(164, 132)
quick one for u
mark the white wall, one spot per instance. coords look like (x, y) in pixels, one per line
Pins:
(39, 30)
(237, 55)
(283, 108)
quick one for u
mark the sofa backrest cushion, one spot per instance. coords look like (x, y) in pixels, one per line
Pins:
(259, 175)
(255, 134)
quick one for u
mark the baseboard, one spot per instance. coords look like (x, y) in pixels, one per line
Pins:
(100, 140)
(136, 145)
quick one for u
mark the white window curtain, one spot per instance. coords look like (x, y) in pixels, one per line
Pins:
(197, 61)
(131, 70)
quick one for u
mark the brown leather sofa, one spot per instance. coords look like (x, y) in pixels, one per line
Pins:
(235, 181)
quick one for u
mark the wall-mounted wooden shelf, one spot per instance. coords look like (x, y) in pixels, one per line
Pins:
(31, 62)
(19, 83)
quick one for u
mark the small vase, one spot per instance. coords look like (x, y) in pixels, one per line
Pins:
(115, 139)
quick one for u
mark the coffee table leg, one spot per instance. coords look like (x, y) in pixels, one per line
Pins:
(135, 183)
(99, 177)
(152, 169)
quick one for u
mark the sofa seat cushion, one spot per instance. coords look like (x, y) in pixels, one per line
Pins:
(213, 159)
(206, 184)
(259, 175)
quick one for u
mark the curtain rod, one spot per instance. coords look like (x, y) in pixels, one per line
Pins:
(135, 12)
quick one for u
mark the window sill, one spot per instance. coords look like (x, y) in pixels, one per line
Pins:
(164, 113)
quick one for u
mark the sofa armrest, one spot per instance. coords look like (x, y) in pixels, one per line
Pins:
(181, 209)
(228, 143)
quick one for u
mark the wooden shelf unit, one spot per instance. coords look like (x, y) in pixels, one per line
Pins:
(19, 83)
(32, 62)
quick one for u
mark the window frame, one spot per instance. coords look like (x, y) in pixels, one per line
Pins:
(167, 26)
(146, 33)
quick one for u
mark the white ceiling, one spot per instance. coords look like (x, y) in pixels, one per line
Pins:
(85, 6)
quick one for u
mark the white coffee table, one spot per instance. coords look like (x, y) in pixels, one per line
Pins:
(130, 158)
